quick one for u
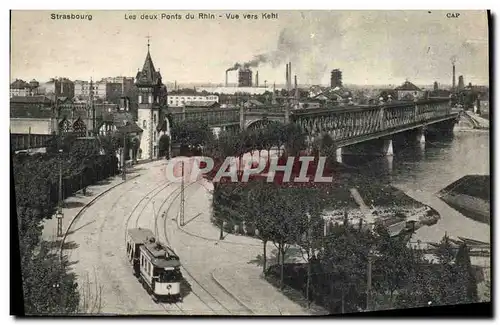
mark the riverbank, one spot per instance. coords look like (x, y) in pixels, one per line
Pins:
(470, 195)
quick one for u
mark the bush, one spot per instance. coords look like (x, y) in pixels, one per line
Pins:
(229, 226)
(240, 230)
(250, 229)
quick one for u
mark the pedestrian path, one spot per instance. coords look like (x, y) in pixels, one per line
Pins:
(73, 204)
(241, 279)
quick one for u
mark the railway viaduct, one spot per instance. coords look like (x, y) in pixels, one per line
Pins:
(359, 130)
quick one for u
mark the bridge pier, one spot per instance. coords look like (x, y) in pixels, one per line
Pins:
(444, 128)
(376, 147)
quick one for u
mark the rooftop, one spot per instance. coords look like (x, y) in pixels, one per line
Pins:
(148, 76)
(408, 86)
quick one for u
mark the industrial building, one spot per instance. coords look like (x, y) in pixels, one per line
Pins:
(244, 77)
(336, 78)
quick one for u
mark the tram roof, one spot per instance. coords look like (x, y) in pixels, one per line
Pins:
(161, 255)
(140, 235)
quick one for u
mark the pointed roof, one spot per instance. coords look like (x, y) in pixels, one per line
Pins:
(408, 86)
(148, 76)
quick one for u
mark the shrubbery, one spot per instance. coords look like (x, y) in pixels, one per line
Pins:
(48, 286)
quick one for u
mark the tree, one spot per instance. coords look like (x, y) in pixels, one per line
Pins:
(393, 266)
(191, 133)
(466, 274)
(259, 206)
(164, 145)
(344, 263)
(294, 139)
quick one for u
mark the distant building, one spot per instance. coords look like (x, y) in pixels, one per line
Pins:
(309, 104)
(180, 100)
(408, 91)
(336, 78)
(107, 89)
(202, 104)
(60, 87)
(21, 88)
(461, 85)
(253, 103)
(244, 77)
(234, 90)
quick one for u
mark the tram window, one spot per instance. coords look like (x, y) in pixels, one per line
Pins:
(171, 276)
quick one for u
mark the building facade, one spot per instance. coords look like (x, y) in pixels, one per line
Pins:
(181, 100)
(408, 91)
(107, 89)
(21, 88)
(336, 78)
(58, 87)
(150, 117)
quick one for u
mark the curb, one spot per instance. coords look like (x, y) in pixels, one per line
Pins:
(230, 293)
(223, 241)
(85, 208)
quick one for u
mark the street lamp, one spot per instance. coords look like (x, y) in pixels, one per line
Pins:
(371, 256)
(60, 214)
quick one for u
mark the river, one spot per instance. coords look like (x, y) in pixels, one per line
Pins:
(423, 170)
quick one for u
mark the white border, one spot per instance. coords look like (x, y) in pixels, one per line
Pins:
(255, 4)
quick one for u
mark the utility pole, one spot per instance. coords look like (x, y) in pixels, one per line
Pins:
(309, 253)
(29, 139)
(182, 196)
(59, 205)
(124, 172)
(369, 282)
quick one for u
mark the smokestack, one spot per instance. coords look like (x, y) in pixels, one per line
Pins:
(289, 75)
(257, 79)
(226, 78)
(453, 85)
(296, 90)
(286, 77)
(175, 85)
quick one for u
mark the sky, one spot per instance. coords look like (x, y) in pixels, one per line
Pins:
(370, 47)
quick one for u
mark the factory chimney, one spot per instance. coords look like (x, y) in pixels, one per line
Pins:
(286, 77)
(257, 79)
(296, 93)
(453, 85)
(226, 78)
(461, 84)
(289, 75)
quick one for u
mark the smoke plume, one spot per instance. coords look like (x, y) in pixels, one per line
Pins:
(309, 46)
(236, 66)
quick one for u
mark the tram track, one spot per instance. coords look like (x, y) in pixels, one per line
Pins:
(167, 241)
(196, 281)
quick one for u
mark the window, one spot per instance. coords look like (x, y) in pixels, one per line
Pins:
(154, 136)
(154, 118)
(144, 125)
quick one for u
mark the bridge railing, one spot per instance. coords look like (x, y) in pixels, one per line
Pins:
(351, 122)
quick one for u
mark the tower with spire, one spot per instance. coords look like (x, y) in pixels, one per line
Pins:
(149, 85)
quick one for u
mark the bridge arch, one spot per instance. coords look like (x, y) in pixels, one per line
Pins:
(260, 123)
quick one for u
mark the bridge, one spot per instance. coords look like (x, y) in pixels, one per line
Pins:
(354, 129)
(19, 141)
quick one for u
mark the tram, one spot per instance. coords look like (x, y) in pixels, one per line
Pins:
(155, 265)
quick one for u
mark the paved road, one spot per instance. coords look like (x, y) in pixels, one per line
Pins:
(100, 253)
